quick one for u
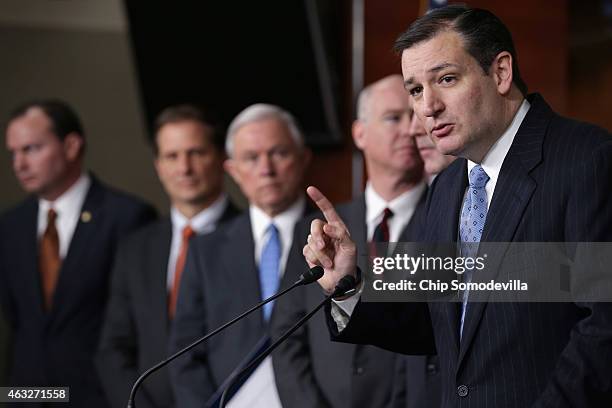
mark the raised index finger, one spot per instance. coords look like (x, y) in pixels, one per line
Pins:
(324, 205)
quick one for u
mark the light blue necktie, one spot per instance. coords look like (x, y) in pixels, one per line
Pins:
(269, 268)
(473, 217)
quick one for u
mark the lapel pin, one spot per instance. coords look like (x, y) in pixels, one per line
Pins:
(85, 216)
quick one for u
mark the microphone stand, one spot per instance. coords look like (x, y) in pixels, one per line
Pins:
(307, 277)
(345, 285)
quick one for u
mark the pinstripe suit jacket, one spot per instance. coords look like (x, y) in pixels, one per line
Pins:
(554, 186)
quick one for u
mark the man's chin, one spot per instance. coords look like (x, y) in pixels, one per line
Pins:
(449, 149)
(32, 188)
(276, 204)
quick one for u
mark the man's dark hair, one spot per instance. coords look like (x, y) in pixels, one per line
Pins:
(64, 119)
(187, 112)
(484, 35)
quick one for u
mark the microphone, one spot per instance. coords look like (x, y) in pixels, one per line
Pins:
(308, 277)
(346, 285)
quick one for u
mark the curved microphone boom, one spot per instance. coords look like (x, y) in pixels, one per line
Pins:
(345, 286)
(308, 277)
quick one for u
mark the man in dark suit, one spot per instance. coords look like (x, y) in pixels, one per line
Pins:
(544, 178)
(307, 361)
(242, 262)
(188, 147)
(56, 252)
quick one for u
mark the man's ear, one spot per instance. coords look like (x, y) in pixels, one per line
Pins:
(501, 69)
(156, 164)
(358, 134)
(73, 146)
(230, 167)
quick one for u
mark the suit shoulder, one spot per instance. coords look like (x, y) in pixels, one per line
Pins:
(124, 199)
(147, 232)
(571, 145)
(448, 176)
(127, 209)
(15, 214)
(578, 133)
(346, 207)
(230, 229)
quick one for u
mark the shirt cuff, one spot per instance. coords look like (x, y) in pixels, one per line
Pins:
(341, 310)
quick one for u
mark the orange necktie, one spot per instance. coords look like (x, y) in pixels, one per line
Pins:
(49, 259)
(188, 233)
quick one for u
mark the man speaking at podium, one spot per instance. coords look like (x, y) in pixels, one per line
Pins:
(544, 178)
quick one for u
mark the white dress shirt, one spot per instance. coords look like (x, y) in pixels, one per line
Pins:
(259, 390)
(491, 163)
(403, 206)
(202, 223)
(68, 209)
(285, 223)
(494, 159)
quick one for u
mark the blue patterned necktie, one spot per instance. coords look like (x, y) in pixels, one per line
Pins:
(473, 217)
(269, 268)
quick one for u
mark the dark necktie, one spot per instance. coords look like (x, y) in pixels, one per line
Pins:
(49, 259)
(188, 233)
(381, 234)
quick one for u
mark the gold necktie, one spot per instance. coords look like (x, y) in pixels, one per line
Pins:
(49, 259)
(178, 270)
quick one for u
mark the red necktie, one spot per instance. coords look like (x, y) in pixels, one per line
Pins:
(49, 259)
(188, 233)
(381, 233)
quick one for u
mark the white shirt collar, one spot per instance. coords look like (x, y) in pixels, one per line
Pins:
(285, 222)
(68, 208)
(403, 207)
(494, 159)
(203, 222)
(71, 200)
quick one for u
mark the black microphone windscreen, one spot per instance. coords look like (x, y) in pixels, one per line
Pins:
(312, 275)
(345, 284)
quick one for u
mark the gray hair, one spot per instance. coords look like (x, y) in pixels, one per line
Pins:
(363, 99)
(259, 112)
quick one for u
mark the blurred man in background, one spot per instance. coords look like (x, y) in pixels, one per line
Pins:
(242, 262)
(56, 252)
(307, 361)
(189, 155)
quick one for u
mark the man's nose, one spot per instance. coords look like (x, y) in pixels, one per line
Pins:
(19, 162)
(432, 104)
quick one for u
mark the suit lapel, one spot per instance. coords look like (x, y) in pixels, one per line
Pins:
(238, 254)
(512, 195)
(156, 272)
(28, 235)
(356, 224)
(448, 206)
(411, 231)
(229, 213)
(90, 220)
